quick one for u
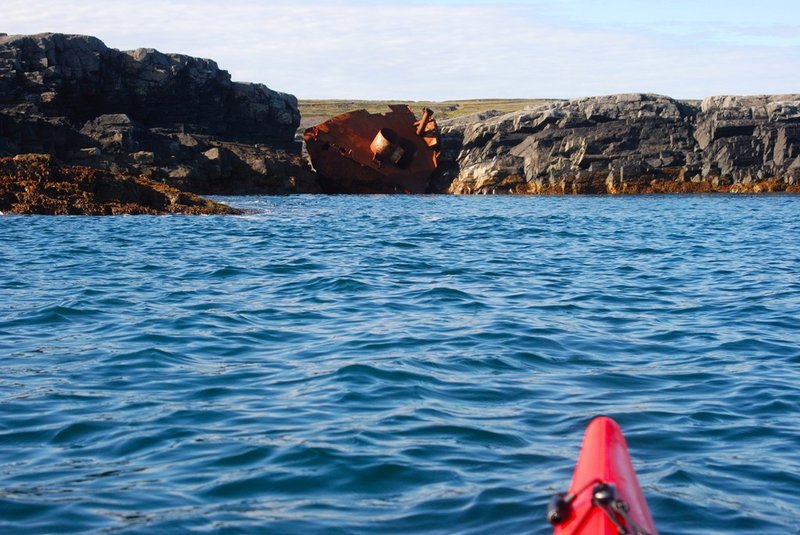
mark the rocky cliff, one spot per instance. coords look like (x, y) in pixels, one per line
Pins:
(637, 143)
(169, 117)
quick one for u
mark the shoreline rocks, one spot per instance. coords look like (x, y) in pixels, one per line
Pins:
(633, 143)
(38, 184)
(172, 118)
(181, 122)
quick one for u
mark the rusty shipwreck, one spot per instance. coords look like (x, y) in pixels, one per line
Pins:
(363, 152)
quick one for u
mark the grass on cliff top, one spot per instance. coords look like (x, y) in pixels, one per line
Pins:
(316, 111)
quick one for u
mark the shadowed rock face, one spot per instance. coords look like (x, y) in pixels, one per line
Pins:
(79, 78)
(635, 143)
(147, 113)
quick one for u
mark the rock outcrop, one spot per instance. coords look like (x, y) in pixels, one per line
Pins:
(170, 117)
(181, 121)
(37, 184)
(635, 143)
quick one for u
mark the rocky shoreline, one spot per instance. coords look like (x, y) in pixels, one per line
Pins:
(171, 119)
(38, 184)
(635, 143)
(181, 122)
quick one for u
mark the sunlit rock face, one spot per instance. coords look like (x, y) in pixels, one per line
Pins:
(631, 143)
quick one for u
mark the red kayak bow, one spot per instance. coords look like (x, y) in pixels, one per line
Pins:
(604, 497)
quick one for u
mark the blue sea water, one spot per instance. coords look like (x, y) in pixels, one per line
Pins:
(398, 364)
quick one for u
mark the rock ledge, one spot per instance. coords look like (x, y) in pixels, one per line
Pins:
(37, 184)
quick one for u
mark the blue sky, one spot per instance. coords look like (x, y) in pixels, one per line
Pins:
(454, 49)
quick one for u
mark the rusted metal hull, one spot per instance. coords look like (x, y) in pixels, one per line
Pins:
(362, 152)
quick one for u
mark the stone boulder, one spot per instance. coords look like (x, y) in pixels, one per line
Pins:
(113, 132)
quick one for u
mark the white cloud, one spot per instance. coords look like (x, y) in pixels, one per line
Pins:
(431, 50)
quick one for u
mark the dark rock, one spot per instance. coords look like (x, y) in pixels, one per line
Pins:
(78, 77)
(147, 113)
(114, 132)
(143, 157)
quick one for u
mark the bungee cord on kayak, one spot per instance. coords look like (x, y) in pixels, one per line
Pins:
(561, 504)
(603, 497)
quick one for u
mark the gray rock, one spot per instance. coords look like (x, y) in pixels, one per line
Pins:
(89, 152)
(143, 157)
(619, 143)
(214, 154)
(114, 132)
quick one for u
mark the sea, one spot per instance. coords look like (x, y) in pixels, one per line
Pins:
(398, 364)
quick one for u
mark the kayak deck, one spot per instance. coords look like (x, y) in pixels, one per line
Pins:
(604, 496)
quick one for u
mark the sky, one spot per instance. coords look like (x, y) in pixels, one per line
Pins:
(455, 49)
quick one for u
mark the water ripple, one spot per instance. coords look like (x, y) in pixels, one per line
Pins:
(398, 364)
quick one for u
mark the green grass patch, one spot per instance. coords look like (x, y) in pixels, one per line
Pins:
(316, 111)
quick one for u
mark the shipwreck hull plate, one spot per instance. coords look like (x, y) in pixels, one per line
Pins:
(342, 151)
